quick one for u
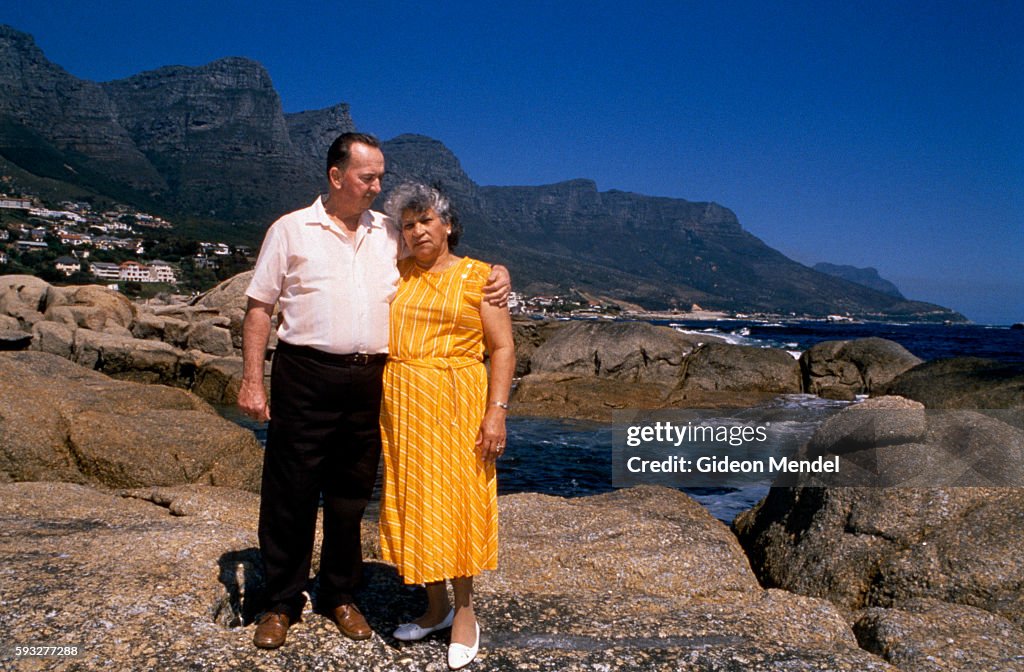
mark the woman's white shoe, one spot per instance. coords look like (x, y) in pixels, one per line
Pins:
(460, 655)
(410, 632)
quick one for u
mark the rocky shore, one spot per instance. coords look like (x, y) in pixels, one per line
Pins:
(128, 510)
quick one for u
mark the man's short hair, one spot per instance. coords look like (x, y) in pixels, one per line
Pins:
(341, 149)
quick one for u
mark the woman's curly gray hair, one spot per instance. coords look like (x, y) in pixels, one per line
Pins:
(418, 198)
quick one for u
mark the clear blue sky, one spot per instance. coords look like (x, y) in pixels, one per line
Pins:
(867, 133)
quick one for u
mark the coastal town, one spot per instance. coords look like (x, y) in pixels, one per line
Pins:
(73, 242)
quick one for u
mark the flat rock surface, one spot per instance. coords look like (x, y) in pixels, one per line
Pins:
(168, 578)
(61, 421)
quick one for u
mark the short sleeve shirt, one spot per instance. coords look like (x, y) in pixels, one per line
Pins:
(334, 289)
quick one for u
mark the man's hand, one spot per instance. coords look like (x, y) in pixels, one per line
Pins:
(499, 284)
(252, 400)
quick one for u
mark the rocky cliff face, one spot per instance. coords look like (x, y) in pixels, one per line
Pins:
(45, 111)
(212, 142)
(213, 126)
(652, 251)
(312, 133)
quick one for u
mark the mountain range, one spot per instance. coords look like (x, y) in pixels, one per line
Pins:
(212, 143)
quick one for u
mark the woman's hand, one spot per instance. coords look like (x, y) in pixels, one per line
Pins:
(490, 440)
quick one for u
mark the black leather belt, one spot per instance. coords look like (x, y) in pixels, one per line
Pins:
(354, 359)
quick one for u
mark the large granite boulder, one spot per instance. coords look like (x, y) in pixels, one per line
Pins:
(962, 382)
(54, 338)
(567, 395)
(587, 369)
(718, 370)
(61, 421)
(619, 581)
(212, 336)
(218, 379)
(844, 369)
(89, 307)
(863, 547)
(590, 551)
(139, 360)
(24, 298)
(924, 536)
(170, 330)
(918, 636)
(627, 351)
(892, 441)
(229, 300)
(228, 295)
(528, 336)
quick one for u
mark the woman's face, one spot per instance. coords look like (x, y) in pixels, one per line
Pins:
(425, 235)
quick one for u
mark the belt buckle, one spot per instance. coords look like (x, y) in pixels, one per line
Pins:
(361, 358)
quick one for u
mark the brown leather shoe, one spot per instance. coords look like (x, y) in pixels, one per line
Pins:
(271, 630)
(351, 622)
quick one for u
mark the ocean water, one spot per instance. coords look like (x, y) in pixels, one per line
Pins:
(927, 341)
(571, 458)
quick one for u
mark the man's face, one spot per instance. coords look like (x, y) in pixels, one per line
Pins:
(359, 182)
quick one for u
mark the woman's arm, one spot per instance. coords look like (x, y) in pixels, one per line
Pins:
(490, 441)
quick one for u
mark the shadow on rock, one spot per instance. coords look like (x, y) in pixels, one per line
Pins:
(241, 574)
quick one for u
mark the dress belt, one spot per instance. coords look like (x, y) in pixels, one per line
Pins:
(449, 364)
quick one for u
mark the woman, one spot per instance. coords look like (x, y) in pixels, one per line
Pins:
(442, 424)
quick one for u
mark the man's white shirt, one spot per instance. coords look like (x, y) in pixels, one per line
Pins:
(334, 289)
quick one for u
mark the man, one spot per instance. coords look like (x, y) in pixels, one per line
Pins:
(332, 268)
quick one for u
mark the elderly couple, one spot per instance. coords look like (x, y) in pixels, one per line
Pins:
(382, 334)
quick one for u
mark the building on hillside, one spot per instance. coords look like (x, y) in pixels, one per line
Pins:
(15, 204)
(134, 271)
(75, 239)
(3, 257)
(515, 302)
(57, 214)
(219, 249)
(110, 243)
(105, 271)
(67, 265)
(161, 271)
(30, 245)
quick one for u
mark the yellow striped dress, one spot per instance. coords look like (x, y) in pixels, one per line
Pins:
(439, 513)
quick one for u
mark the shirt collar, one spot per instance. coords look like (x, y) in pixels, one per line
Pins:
(369, 219)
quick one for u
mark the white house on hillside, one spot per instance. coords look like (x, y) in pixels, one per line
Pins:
(134, 271)
(67, 265)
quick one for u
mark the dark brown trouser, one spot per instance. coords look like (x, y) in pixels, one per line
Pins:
(323, 441)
